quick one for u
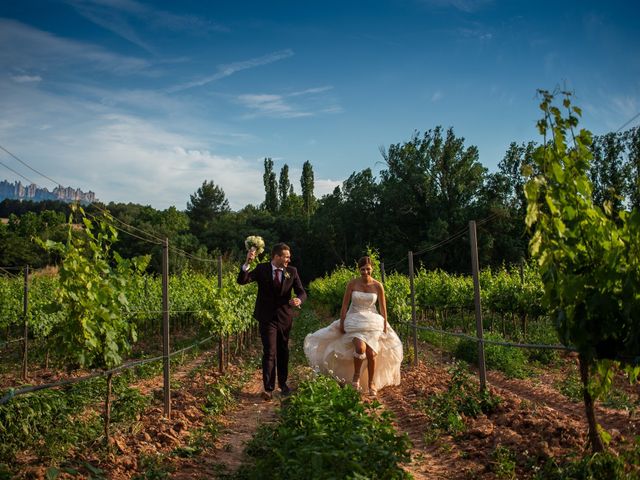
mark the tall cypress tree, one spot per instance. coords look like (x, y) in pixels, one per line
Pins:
(306, 183)
(270, 187)
(284, 185)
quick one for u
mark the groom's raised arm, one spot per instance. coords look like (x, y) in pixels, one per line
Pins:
(245, 276)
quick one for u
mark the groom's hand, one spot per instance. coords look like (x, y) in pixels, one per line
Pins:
(295, 302)
(251, 255)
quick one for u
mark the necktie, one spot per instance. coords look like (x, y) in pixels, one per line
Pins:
(277, 281)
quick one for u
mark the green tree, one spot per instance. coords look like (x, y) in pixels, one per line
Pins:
(502, 198)
(325, 234)
(607, 170)
(18, 245)
(358, 214)
(284, 185)
(307, 186)
(270, 187)
(632, 168)
(510, 167)
(428, 193)
(588, 256)
(204, 207)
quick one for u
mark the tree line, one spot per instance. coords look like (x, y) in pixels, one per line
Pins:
(429, 189)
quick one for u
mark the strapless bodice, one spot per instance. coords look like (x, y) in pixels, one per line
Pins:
(363, 301)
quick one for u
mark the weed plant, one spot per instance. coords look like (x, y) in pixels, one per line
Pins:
(326, 432)
(542, 332)
(154, 467)
(503, 463)
(599, 466)
(571, 387)
(447, 410)
(509, 360)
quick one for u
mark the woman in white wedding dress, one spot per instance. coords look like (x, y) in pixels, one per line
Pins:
(341, 348)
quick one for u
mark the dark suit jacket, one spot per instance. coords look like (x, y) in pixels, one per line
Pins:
(271, 303)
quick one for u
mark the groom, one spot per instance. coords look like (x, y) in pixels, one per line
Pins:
(274, 312)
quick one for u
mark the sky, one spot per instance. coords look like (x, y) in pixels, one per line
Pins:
(142, 101)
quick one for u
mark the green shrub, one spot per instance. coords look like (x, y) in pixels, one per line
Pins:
(326, 432)
(599, 466)
(509, 360)
(462, 398)
(128, 405)
(544, 333)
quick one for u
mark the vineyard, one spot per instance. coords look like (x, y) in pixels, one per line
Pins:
(529, 371)
(38, 426)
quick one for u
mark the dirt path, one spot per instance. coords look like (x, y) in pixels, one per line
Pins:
(426, 461)
(238, 427)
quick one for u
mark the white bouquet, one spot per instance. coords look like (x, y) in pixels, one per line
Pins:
(254, 242)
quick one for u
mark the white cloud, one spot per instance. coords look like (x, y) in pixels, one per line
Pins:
(26, 78)
(619, 112)
(95, 145)
(475, 33)
(325, 186)
(270, 106)
(309, 91)
(609, 112)
(230, 69)
(121, 157)
(116, 15)
(626, 105)
(468, 6)
(28, 49)
(135, 160)
(332, 109)
(280, 106)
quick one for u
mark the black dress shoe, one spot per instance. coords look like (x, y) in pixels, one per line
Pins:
(285, 391)
(266, 396)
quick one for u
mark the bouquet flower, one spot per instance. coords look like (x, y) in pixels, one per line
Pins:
(254, 242)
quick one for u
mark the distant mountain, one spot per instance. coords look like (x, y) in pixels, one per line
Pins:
(17, 191)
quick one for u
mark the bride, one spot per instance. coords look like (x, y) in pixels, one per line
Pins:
(341, 348)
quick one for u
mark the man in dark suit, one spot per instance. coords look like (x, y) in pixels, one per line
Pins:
(274, 312)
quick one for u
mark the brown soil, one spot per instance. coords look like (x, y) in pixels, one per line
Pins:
(534, 421)
(154, 442)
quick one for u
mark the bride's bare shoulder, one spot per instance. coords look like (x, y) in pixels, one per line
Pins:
(352, 283)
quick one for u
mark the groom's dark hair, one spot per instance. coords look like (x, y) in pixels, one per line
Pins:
(278, 248)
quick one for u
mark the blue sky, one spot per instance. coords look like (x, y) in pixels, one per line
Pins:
(141, 101)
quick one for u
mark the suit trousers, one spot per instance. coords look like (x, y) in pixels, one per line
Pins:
(275, 352)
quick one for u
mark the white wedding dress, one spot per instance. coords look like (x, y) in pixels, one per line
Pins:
(331, 352)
